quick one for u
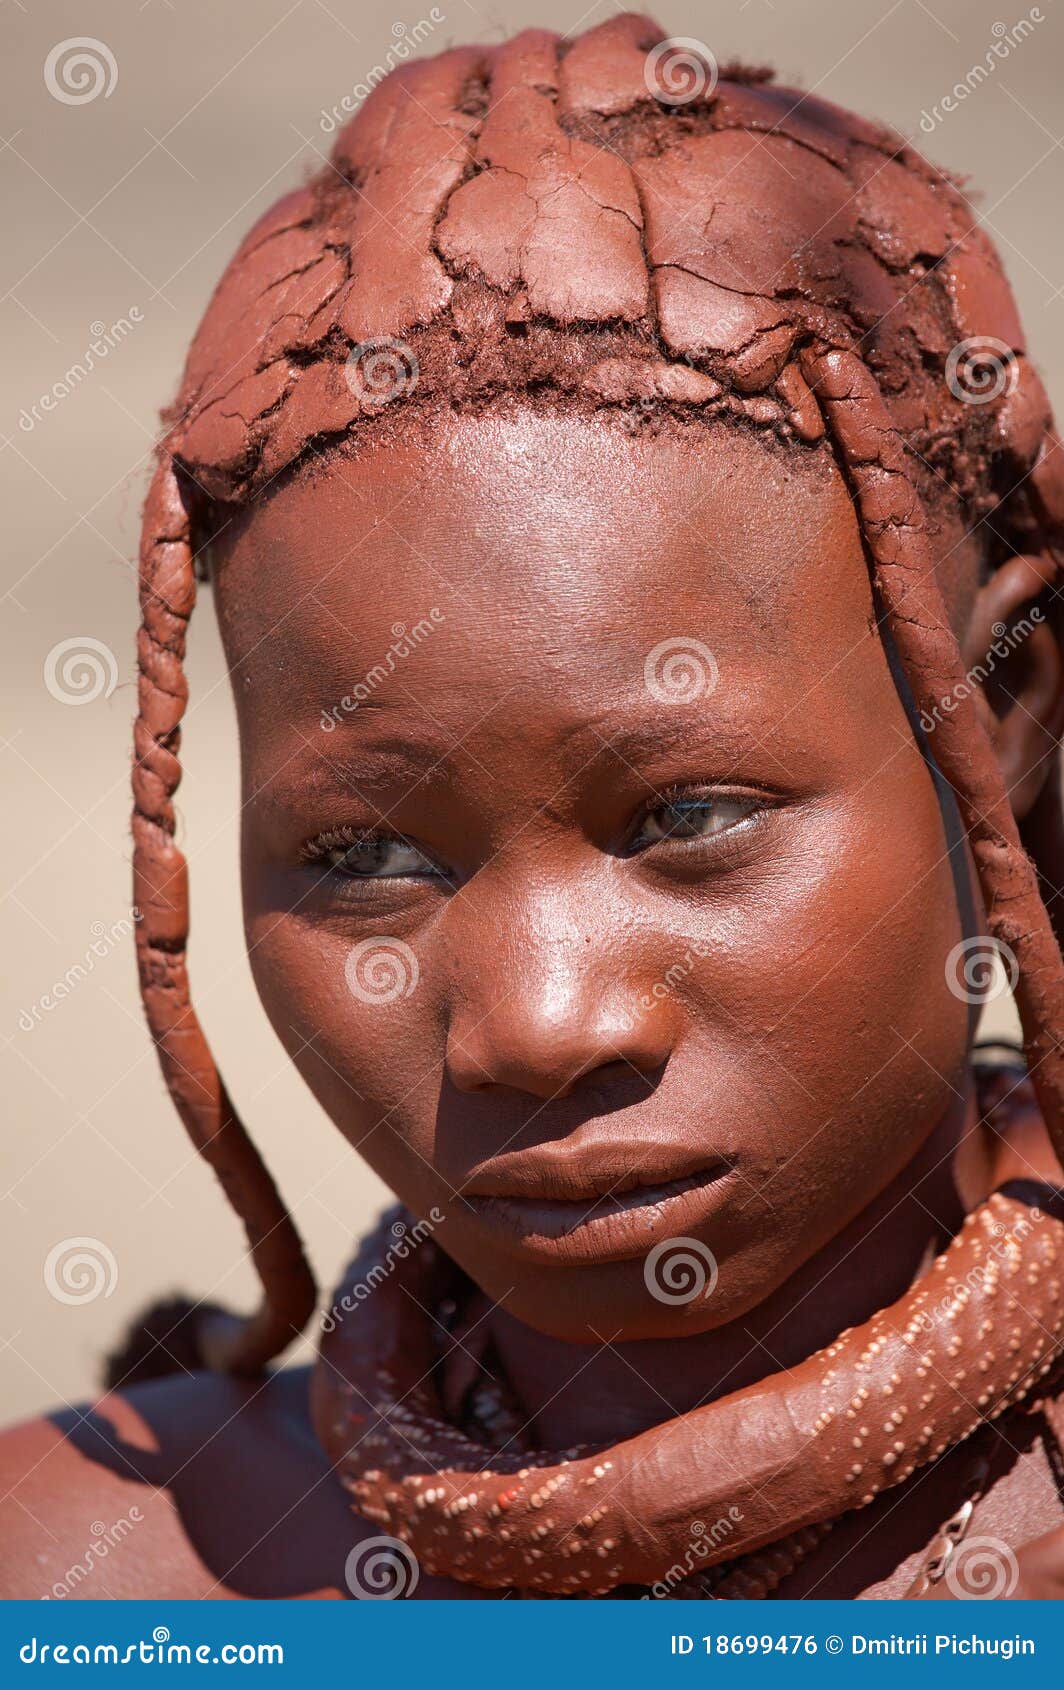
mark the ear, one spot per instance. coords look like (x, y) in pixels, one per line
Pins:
(1012, 651)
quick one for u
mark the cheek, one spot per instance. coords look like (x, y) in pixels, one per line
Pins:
(865, 975)
(359, 1020)
(829, 1023)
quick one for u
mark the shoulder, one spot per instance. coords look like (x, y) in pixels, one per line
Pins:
(197, 1486)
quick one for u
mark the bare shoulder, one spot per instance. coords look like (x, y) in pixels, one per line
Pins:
(196, 1486)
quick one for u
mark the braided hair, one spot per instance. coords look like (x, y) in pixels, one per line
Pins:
(607, 223)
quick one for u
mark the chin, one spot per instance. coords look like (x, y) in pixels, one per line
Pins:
(652, 1261)
(677, 1289)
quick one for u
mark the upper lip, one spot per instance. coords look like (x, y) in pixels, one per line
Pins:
(588, 1174)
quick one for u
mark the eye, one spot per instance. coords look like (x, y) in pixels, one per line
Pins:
(371, 856)
(700, 816)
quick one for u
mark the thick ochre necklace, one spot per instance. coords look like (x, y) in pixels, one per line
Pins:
(781, 1459)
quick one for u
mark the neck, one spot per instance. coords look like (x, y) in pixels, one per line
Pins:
(600, 1393)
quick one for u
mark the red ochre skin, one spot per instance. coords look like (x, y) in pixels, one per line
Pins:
(681, 373)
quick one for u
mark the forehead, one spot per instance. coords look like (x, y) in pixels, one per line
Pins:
(541, 542)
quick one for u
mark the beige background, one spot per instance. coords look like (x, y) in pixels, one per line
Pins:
(128, 206)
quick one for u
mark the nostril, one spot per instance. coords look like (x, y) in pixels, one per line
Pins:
(548, 1061)
(466, 1069)
(542, 1074)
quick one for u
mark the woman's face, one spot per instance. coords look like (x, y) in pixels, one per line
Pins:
(592, 876)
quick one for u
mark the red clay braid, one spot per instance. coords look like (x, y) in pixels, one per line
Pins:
(160, 891)
(903, 573)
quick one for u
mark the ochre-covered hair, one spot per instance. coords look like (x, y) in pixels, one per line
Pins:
(601, 222)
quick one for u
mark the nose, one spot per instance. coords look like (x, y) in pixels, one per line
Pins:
(547, 1049)
(551, 1020)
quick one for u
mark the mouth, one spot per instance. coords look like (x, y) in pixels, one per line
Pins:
(618, 1224)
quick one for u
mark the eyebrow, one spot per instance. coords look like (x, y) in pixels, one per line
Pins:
(668, 733)
(322, 770)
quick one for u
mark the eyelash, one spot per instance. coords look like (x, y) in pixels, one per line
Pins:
(317, 851)
(691, 800)
(346, 840)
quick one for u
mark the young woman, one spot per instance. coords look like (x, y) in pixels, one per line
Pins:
(635, 527)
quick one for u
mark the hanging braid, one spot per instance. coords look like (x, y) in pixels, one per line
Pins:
(160, 891)
(546, 220)
(915, 613)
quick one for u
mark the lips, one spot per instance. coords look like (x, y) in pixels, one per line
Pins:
(570, 1172)
(604, 1222)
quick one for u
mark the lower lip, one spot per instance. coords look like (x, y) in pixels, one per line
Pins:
(604, 1229)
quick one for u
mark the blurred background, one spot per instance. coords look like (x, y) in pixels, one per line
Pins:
(128, 178)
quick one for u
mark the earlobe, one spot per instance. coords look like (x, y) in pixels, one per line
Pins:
(1012, 651)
